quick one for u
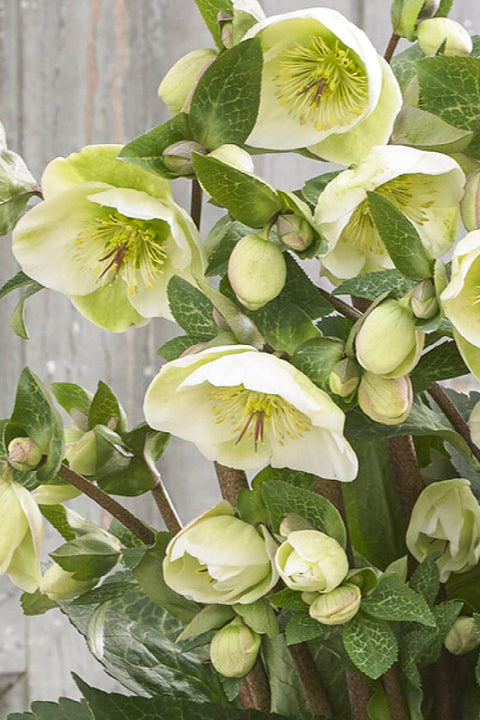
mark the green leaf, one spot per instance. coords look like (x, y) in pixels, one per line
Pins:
(289, 600)
(118, 469)
(288, 693)
(86, 557)
(314, 187)
(36, 603)
(444, 9)
(209, 10)
(107, 591)
(17, 321)
(372, 506)
(404, 65)
(404, 25)
(371, 285)
(72, 398)
(17, 281)
(283, 499)
(286, 475)
(317, 357)
(172, 349)
(370, 644)
(191, 309)
(149, 574)
(146, 151)
(426, 579)
(449, 88)
(303, 628)
(401, 238)
(465, 587)
(440, 363)
(246, 197)
(34, 416)
(58, 518)
(17, 186)
(225, 103)
(392, 599)
(106, 410)
(220, 243)
(64, 710)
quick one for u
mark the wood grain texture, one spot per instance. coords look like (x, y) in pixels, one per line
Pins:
(74, 72)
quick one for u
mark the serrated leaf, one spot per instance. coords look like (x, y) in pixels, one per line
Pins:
(449, 88)
(63, 710)
(404, 65)
(370, 644)
(225, 103)
(426, 579)
(246, 197)
(191, 309)
(393, 600)
(106, 410)
(17, 321)
(371, 285)
(303, 628)
(317, 357)
(440, 363)
(146, 151)
(401, 238)
(283, 499)
(172, 349)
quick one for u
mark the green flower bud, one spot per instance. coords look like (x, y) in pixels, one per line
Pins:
(446, 520)
(463, 637)
(388, 342)
(474, 424)
(429, 9)
(470, 204)
(81, 451)
(178, 157)
(234, 649)
(431, 34)
(309, 597)
(178, 85)
(311, 561)
(338, 606)
(294, 231)
(58, 584)
(234, 156)
(423, 300)
(257, 271)
(344, 378)
(24, 454)
(385, 400)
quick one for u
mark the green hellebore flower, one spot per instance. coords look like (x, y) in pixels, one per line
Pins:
(431, 34)
(219, 559)
(21, 533)
(311, 561)
(323, 87)
(446, 519)
(385, 400)
(247, 409)
(58, 584)
(426, 186)
(109, 236)
(234, 649)
(388, 342)
(463, 636)
(338, 606)
(257, 271)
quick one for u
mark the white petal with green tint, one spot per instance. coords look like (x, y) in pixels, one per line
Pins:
(460, 299)
(109, 307)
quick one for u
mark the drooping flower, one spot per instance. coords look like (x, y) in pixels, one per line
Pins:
(426, 186)
(323, 86)
(246, 409)
(109, 236)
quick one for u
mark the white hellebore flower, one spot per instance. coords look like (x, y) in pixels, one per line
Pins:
(109, 236)
(310, 561)
(426, 186)
(219, 559)
(246, 409)
(324, 86)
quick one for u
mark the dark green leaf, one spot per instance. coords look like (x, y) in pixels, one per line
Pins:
(86, 557)
(220, 243)
(17, 281)
(209, 10)
(225, 103)
(371, 285)
(57, 516)
(303, 628)
(313, 188)
(36, 603)
(465, 587)
(317, 357)
(172, 349)
(371, 645)
(64, 710)
(118, 470)
(191, 309)
(17, 321)
(71, 397)
(288, 694)
(106, 410)
(286, 475)
(404, 65)
(146, 151)
(392, 599)
(289, 600)
(426, 579)
(444, 9)
(400, 238)
(441, 363)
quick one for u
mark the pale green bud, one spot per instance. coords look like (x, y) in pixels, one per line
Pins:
(178, 157)
(446, 520)
(429, 9)
(310, 561)
(338, 606)
(431, 34)
(463, 637)
(470, 204)
(474, 424)
(24, 454)
(388, 342)
(423, 300)
(385, 400)
(294, 231)
(234, 649)
(178, 85)
(58, 584)
(344, 378)
(81, 451)
(234, 156)
(257, 271)
(309, 597)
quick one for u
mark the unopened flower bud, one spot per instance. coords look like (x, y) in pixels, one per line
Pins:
(338, 606)
(294, 231)
(235, 156)
(178, 157)
(24, 454)
(474, 424)
(309, 597)
(429, 9)
(385, 400)
(234, 649)
(257, 271)
(58, 584)
(431, 34)
(344, 378)
(311, 561)
(423, 300)
(81, 451)
(388, 342)
(470, 204)
(463, 637)
(176, 88)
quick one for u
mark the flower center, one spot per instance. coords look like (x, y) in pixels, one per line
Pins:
(253, 414)
(322, 84)
(411, 194)
(129, 245)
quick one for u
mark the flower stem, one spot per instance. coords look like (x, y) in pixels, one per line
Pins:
(196, 203)
(312, 683)
(408, 480)
(392, 684)
(453, 414)
(391, 47)
(164, 503)
(108, 503)
(342, 307)
(231, 481)
(360, 694)
(254, 690)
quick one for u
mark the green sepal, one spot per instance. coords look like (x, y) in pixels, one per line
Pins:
(87, 557)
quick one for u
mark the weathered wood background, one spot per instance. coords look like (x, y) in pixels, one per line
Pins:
(75, 72)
